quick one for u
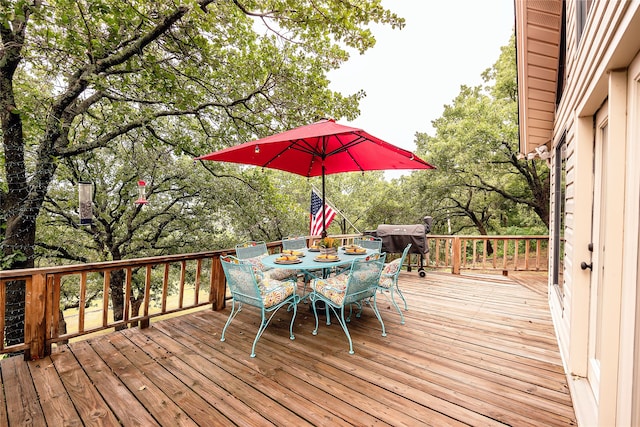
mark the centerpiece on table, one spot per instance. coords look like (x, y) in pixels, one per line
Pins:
(328, 245)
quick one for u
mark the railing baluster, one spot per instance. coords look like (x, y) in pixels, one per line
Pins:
(105, 298)
(127, 295)
(82, 302)
(165, 286)
(183, 275)
(196, 297)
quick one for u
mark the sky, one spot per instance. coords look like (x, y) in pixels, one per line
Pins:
(411, 74)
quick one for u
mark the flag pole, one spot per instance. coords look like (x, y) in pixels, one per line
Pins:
(313, 188)
(324, 211)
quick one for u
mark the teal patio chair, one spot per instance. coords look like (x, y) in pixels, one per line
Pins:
(293, 243)
(338, 292)
(369, 242)
(389, 281)
(268, 295)
(300, 243)
(251, 249)
(253, 252)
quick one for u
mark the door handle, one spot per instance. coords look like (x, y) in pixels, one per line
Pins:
(584, 265)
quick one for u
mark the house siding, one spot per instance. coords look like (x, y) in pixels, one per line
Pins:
(597, 76)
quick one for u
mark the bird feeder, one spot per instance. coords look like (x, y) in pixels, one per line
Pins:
(142, 195)
(85, 198)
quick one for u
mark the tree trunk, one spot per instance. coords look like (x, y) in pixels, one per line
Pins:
(136, 303)
(19, 239)
(116, 286)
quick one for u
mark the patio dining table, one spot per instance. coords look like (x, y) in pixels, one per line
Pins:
(308, 260)
(309, 265)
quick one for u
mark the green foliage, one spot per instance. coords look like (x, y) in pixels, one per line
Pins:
(6, 261)
(193, 76)
(480, 184)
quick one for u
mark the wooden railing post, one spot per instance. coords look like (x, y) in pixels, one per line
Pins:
(35, 328)
(455, 254)
(218, 284)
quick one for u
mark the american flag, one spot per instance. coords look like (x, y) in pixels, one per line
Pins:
(316, 214)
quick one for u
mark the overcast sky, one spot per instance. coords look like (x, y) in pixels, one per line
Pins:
(412, 73)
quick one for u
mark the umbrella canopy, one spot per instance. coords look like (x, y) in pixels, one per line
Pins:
(320, 149)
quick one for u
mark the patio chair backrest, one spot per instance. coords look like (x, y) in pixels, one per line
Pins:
(369, 242)
(363, 278)
(400, 262)
(241, 280)
(294, 243)
(251, 250)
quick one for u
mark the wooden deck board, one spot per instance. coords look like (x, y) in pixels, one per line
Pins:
(475, 350)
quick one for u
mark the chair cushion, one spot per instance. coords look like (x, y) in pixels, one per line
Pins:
(332, 287)
(241, 279)
(392, 267)
(385, 281)
(274, 291)
(256, 262)
(281, 273)
(388, 273)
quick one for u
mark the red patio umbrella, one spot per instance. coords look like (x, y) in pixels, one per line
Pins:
(320, 149)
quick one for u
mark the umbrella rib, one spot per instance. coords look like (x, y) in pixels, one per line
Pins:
(346, 147)
(292, 145)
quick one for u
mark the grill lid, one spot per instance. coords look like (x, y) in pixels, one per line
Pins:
(396, 237)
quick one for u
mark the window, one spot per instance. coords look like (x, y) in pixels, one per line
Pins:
(562, 55)
(582, 12)
(560, 185)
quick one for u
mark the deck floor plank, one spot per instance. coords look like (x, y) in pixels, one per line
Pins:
(198, 409)
(21, 398)
(122, 401)
(56, 404)
(232, 407)
(268, 379)
(163, 409)
(90, 405)
(475, 350)
(255, 399)
(322, 378)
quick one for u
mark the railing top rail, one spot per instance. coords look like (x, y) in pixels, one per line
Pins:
(141, 262)
(109, 265)
(486, 237)
(125, 263)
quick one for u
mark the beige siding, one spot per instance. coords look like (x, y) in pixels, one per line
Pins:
(607, 44)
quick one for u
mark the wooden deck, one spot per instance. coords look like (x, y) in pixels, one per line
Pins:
(475, 350)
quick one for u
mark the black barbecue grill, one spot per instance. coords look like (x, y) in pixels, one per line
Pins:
(396, 237)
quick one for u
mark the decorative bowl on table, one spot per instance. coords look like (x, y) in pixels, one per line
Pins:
(328, 251)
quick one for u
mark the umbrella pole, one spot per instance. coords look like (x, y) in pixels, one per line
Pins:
(324, 211)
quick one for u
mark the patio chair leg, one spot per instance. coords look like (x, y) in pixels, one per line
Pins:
(293, 317)
(375, 309)
(232, 315)
(402, 296)
(395, 304)
(315, 314)
(343, 323)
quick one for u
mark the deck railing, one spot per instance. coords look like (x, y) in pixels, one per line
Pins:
(500, 253)
(158, 286)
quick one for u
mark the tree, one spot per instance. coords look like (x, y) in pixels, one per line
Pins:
(481, 182)
(75, 76)
(121, 229)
